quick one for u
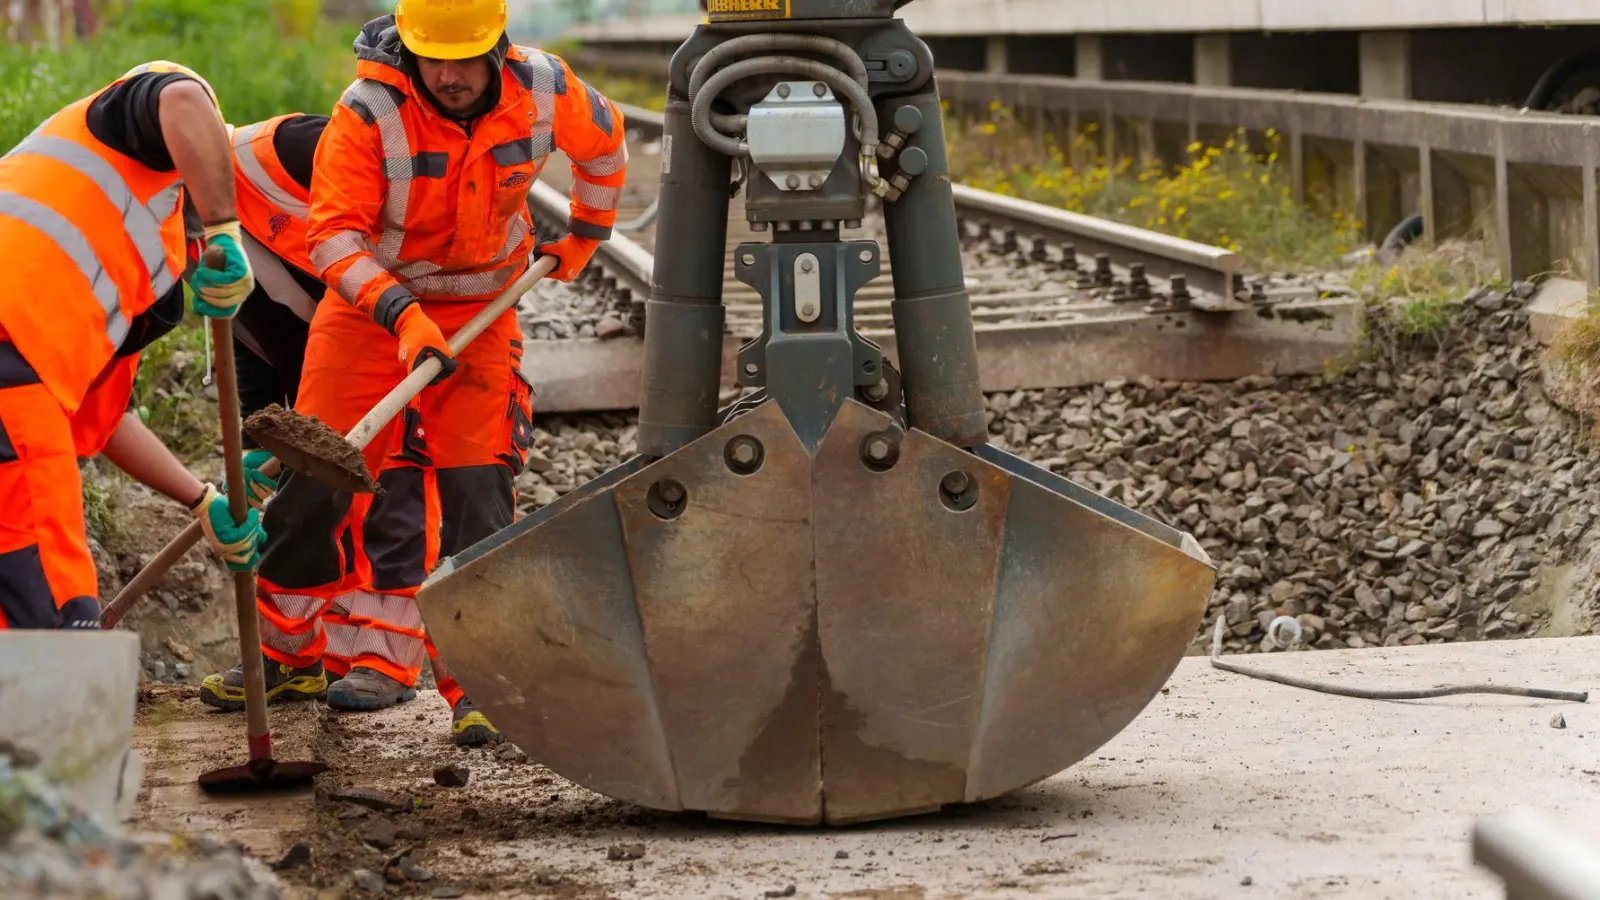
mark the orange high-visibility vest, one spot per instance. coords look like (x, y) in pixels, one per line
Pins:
(272, 212)
(405, 201)
(89, 239)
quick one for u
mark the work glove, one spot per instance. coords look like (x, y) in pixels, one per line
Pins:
(573, 252)
(261, 485)
(420, 339)
(238, 545)
(218, 292)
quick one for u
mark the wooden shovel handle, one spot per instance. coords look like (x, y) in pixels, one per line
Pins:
(359, 436)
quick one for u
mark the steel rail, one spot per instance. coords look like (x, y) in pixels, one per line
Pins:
(1211, 270)
(632, 265)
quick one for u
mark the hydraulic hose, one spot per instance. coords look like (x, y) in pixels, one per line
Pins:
(1556, 77)
(700, 114)
(766, 43)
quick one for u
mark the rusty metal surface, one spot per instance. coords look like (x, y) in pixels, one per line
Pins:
(726, 596)
(543, 633)
(905, 589)
(819, 641)
(1091, 617)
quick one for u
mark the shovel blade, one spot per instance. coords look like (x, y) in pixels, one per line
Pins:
(309, 446)
(261, 776)
(931, 645)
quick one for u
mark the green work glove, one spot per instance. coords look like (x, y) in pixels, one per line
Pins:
(238, 545)
(261, 484)
(218, 293)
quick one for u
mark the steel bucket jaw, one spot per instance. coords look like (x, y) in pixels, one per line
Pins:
(749, 630)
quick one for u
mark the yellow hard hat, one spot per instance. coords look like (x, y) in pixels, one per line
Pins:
(450, 29)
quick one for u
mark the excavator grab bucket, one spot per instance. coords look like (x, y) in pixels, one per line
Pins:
(750, 630)
(831, 601)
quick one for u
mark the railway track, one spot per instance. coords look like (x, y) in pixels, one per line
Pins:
(1058, 298)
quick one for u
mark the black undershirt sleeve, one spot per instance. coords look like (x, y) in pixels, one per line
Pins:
(127, 118)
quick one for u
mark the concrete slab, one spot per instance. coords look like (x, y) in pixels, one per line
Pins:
(1559, 301)
(68, 696)
(180, 738)
(1224, 787)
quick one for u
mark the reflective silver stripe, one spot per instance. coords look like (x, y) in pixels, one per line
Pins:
(284, 642)
(543, 89)
(606, 164)
(359, 275)
(544, 141)
(341, 245)
(596, 196)
(77, 248)
(142, 223)
(295, 606)
(417, 269)
(273, 275)
(396, 162)
(514, 236)
(401, 649)
(250, 164)
(463, 285)
(341, 640)
(389, 609)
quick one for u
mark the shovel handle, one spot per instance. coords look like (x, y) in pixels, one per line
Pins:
(359, 436)
(407, 390)
(151, 575)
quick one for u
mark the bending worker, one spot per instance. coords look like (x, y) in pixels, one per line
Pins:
(418, 218)
(272, 172)
(93, 243)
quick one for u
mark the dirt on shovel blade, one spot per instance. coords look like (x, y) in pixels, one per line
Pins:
(307, 445)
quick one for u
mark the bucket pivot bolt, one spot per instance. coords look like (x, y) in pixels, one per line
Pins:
(744, 455)
(667, 498)
(958, 491)
(880, 451)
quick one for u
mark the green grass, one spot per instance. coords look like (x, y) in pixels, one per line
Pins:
(1230, 194)
(263, 58)
(169, 393)
(640, 92)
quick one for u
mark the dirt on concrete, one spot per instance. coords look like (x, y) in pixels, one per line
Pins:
(1224, 786)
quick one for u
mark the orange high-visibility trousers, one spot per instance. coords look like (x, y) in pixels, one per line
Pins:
(339, 572)
(47, 575)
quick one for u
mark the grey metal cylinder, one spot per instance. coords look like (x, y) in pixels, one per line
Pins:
(937, 349)
(683, 340)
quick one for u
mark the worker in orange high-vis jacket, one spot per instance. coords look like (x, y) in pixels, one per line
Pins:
(272, 166)
(418, 218)
(93, 246)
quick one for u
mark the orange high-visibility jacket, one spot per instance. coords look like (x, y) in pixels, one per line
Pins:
(89, 239)
(404, 199)
(273, 209)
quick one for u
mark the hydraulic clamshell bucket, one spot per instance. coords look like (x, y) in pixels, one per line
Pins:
(884, 627)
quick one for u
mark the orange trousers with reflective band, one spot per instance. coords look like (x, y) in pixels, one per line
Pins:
(47, 576)
(340, 571)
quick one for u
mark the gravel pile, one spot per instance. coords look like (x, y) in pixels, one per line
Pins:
(1404, 502)
(1415, 497)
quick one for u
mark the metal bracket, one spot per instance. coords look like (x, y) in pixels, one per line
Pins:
(797, 134)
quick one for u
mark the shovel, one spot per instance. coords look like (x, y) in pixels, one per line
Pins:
(307, 445)
(262, 773)
(286, 433)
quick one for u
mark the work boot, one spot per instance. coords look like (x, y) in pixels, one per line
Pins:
(225, 690)
(367, 689)
(471, 728)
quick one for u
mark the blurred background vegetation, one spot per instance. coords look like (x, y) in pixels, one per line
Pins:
(263, 58)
